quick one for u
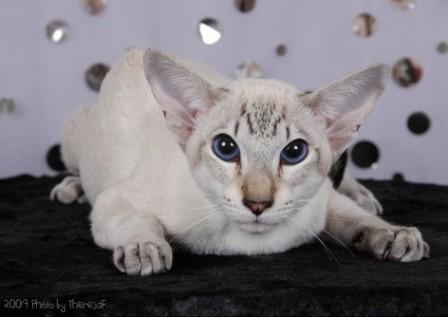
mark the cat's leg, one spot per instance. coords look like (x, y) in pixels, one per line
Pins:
(137, 238)
(353, 226)
(68, 191)
(360, 194)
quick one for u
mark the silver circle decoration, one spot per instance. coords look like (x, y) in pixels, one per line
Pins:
(7, 105)
(245, 6)
(364, 25)
(209, 31)
(281, 50)
(405, 4)
(365, 154)
(95, 75)
(442, 47)
(56, 31)
(419, 123)
(398, 177)
(407, 72)
(94, 7)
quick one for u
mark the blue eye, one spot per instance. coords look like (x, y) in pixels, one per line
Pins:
(225, 148)
(295, 152)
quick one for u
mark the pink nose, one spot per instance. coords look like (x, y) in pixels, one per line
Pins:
(257, 207)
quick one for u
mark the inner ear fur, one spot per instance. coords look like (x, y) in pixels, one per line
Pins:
(344, 104)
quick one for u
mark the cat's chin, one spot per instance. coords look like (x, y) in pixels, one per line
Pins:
(255, 227)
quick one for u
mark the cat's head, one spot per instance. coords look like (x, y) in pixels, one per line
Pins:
(259, 148)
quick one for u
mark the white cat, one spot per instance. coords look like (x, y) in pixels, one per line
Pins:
(173, 153)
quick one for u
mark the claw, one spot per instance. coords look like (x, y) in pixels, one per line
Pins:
(143, 258)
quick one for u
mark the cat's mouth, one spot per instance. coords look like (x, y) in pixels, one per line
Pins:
(256, 226)
(252, 224)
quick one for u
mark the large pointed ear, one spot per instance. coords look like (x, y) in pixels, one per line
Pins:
(345, 104)
(181, 94)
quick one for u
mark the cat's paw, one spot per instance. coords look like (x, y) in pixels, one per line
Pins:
(403, 244)
(68, 191)
(366, 200)
(144, 258)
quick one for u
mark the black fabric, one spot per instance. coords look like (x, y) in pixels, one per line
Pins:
(47, 256)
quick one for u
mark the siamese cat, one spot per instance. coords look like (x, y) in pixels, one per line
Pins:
(175, 154)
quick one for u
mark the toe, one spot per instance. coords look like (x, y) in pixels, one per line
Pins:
(132, 259)
(415, 246)
(146, 262)
(401, 245)
(380, 243)
(156, 261)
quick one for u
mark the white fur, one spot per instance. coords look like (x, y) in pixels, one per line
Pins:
(154, 174)
(151, 187)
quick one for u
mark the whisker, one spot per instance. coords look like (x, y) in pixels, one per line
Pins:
(338, 217)
(325, 247)
(211, 206)
(345, 246)
(246, 217)
(237, 211)
(334, 238)
(197, 223)
(339, 242)
(195, 208)
(328, 251)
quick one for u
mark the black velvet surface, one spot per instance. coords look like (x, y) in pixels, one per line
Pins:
(48, 258)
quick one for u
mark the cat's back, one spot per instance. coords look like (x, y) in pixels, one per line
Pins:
(126, 125)
(123, 124)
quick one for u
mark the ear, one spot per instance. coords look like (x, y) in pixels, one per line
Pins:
(345, 104)
(181, 94)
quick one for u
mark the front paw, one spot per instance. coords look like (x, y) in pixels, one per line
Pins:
(144, 258)
(403, 244)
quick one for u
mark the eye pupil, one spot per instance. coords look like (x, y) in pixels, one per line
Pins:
(225, 148)
(294, 152)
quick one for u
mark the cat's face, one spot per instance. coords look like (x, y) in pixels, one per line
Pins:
(259, 153)
(259, 148)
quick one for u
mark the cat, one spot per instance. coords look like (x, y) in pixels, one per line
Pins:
(175, 154)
